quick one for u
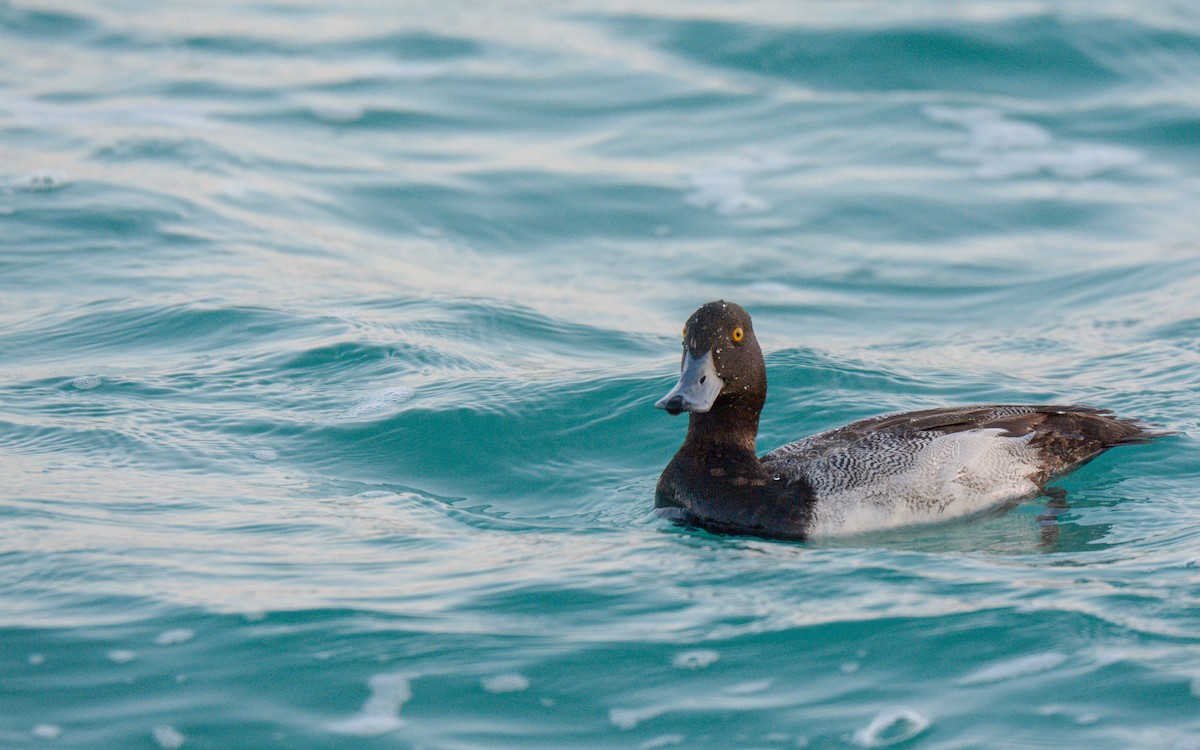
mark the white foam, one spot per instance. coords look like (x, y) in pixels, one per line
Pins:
(1069, 162)
(168, 738)
(698, 659)
(265, 454)
(664, 740)
(749, 688)
(1001, 148)
(380, 402)
(1083, 719)
(380, 714)
(769, 290)
(121, 656)
(41, 181)
(239, 190)
(47, 731)
(1011, 669)
(86, 382)
(54, 115)
(175, 636)
(403, 70)
(721, 185)
(891, 726)
(334, 111)
(990, 130)
(36, 659)
(628, 718)
(505, 683)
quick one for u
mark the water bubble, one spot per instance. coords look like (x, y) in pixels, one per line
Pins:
(175, 636)
(86, 382)
(36, 659)
(891, 726)
(1013, 668)
(168, 738)
(721, 185)
(379, 715)
(335, 112)
(665, 740)
(1001, 148)
(121, 656)
(236, 189)
(698, 659)
(1083, 719)
(265, 454)
(47, 731)
(505, 683)
(750, 688)
(628, 718)
(380, 402)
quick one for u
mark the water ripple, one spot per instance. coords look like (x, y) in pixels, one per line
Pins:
(331, 338)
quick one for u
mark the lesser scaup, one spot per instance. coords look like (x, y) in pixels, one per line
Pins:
(875, 473)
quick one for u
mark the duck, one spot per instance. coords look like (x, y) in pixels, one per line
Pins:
(883, 472)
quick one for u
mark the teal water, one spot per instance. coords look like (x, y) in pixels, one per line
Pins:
(330, 334)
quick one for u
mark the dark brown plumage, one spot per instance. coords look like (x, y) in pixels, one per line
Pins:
(882, 471)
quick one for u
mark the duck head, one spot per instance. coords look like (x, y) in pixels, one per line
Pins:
(722, 368)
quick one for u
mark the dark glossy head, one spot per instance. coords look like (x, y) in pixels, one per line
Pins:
(722, 364)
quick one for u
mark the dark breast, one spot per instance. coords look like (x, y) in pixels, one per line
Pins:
(729, 494)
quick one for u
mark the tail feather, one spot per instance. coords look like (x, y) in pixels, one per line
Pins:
(1104, 425)
(1070, 436)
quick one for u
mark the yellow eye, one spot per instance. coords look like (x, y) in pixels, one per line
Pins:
(738, 334)
(684, 334)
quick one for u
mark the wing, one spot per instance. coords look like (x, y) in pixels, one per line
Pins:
(908, 467)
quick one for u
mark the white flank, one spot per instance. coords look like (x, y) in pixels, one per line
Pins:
(954, 475)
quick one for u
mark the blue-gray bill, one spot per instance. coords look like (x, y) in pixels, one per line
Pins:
(698, 386)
